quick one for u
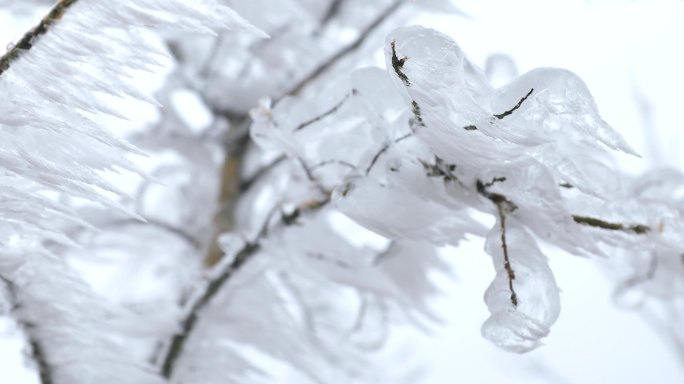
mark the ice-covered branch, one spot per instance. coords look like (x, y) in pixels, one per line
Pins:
(502, 115)
(190, 321)
(44, 371)
(497, 198)
(384, 149)
(332, 11)
(325, 114)
(330, 62)
(504, 246)
(638, 229)
(519, 318)
(398, 64)
(72, 345)
(219, 280)
(231, 178)
(510, 111)
(154, 223)
(36, 350)
(262, 172)
(30, 37)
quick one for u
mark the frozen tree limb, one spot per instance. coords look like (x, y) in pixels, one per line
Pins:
(520, 317)
(28, 40)
(325, 114)
(331, 12)
(638, 229)
(230, 171)
(330, 62)
(384, 149)
(504, 246)
(175, 349)
(35, 348)
(515, 107)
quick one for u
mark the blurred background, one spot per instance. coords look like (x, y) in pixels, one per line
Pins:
(630, 54)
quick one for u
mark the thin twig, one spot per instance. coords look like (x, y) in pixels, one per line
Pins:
(398, 64)
(639, 229)
(45, 371)
(263, 171)
(330, 14)
(503, 206)
(384, 149)
(332, 162)
(38, 354)
(504, 114)
(507, 262)
(188, 238)
(188, 325)
(325, 114)
(178, 342)
(30, 37)
(498, 199)
(363, 35)
(515, 108)
(376, 157)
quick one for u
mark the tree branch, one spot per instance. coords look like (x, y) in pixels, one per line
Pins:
(497, 199)
(178, 342)
(332, 162)
(507, 263)
(245, 185)
(503, 206)
(158, 224)
(363, 35)
(327, 113)
(506, 113)
(30, 37)
(188, 325)
(510, 111)
(384, 149)
(331, 13)
(231, 187)
(639, 229)
(398, 64)
(38, 354)
(37, 351)
(230, 178)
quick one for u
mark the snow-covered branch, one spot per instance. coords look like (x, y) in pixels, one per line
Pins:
(219, 279)
(27, 41)
(52, 81)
